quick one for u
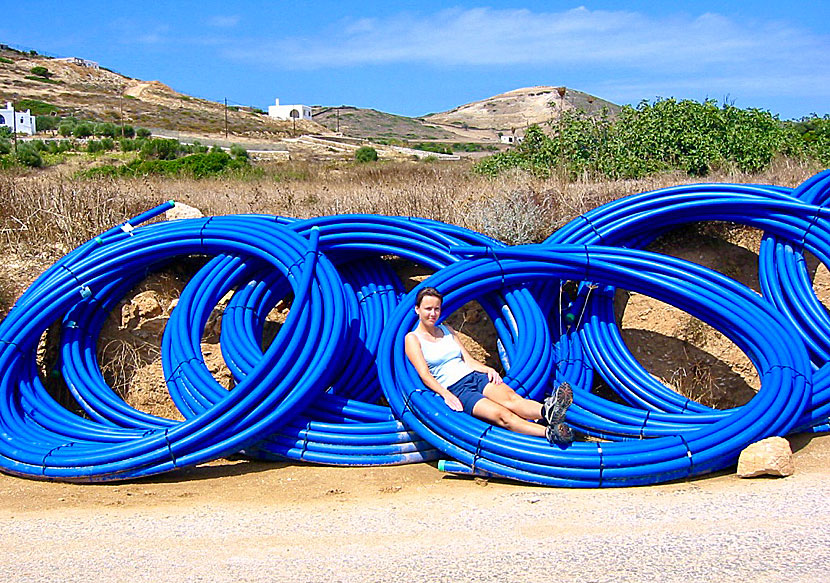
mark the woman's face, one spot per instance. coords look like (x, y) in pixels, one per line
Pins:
(430, 310)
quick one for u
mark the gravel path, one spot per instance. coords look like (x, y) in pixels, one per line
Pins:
(414, 524)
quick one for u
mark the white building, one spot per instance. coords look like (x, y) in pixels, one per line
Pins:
(17, 121)
(511, 139)
(289, 111)
(80, 62)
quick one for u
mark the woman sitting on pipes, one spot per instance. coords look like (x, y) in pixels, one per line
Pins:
(465, 384)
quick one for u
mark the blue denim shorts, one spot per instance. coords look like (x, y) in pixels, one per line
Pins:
(469, 389)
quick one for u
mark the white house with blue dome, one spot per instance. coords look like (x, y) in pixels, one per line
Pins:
(17, 121)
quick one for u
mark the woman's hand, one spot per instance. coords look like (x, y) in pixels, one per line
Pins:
(492, 375)
(453, 402)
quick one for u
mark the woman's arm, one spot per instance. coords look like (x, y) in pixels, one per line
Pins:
(416, 357)
(491, 373)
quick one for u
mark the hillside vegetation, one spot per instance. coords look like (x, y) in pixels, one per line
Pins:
(667, 135)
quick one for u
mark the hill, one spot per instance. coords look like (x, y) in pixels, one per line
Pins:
(519, 108)
(373, 124)
(103, 95)
(479, 121)
(99, 94)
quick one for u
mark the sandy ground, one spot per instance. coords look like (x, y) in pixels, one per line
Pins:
(244, 521)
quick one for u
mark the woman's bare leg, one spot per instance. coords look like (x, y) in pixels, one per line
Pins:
(507, 397)
(501, 416)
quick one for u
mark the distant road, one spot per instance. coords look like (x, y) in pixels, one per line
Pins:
(189, 138)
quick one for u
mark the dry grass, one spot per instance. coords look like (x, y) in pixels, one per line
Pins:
(49, 212)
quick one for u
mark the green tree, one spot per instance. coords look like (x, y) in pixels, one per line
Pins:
(40, 71)
(106, 129)
(46, 122)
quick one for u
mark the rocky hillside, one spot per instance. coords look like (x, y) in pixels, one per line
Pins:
(519, 108)
(103, 95)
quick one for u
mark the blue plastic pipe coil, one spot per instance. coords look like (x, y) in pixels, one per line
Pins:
(334, 385)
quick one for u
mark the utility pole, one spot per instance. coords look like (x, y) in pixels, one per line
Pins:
(226, 118)
(14, 125)
(121, 108)
(337, 115)
(561, 91)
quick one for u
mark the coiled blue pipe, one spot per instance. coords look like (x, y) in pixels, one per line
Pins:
(783, 365)
(41, 439)
(313, 393)
(635, 220)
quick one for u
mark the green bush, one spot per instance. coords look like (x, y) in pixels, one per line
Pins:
(161, 149)
(43, 80)
(39, 145)
(106, 129)
(128, 145)
(28, 155)
(46, 122)
(366, 154)
(94, 146)
(433, 147)
(238, 151)
(126, 131)
(58, 147)
(667, 135)
(5, 60)
(195, 165)
(40, 71)
(66, 127)
(36, 107)
(83, 130)
(5, 146)
(814, 137)
(143, 133)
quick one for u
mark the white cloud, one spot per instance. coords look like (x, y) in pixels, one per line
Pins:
(156, 36)
(223, 21)
(680, 45)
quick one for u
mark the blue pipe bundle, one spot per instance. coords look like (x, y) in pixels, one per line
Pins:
(334, 385)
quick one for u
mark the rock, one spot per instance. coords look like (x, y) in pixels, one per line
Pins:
(142, 307)
(183, 211)
(151, 328)
(769, 457)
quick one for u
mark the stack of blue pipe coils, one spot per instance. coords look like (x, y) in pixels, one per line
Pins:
(334, 386)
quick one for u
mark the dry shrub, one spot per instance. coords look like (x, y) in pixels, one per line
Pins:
(50, 215)
(60, 212)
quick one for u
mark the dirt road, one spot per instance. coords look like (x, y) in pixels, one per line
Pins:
(243, 521)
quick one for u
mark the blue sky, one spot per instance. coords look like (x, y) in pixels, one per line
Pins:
(414, 58)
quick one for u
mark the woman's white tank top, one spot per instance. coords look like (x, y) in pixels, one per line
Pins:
(444, 358)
